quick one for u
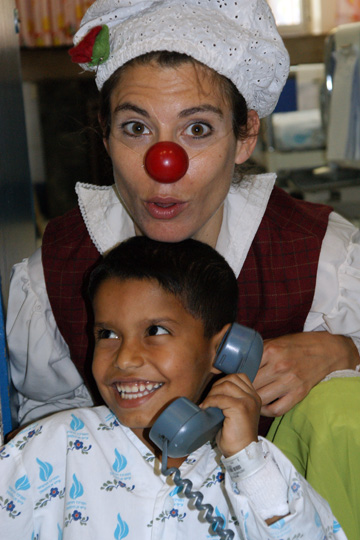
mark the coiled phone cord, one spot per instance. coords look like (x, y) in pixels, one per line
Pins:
(217, 522)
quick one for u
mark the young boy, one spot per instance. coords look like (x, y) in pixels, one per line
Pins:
(160, 313)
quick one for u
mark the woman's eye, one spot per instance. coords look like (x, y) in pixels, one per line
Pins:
(135, 129)
(156, 330)
(198, 130)
(103, 333)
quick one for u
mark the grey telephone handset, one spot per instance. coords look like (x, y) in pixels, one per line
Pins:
(183, 427)
(183, 424)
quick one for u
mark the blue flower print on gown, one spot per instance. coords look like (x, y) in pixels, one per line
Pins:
(21, 443)
(76, 517)
(121, 530)
(3, 453)
(9, 506)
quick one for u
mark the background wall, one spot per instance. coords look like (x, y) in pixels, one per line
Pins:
(17, 232)
(323, 15)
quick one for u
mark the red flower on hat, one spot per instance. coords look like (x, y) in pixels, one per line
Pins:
(94, 48)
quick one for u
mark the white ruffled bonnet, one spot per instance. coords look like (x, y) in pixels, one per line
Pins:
(238, 39)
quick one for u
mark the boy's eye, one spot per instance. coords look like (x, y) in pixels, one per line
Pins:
(135, 129)
(156, 330)
(103, 333)
(199, 129)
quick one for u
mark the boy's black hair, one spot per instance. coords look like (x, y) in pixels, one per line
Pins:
(194, 272)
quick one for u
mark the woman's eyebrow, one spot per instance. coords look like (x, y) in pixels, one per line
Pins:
(128, 106)
(199, 109)
(131, 107)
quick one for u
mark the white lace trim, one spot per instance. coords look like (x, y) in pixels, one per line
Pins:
(108, 222)
(243, 211)
(105, 217)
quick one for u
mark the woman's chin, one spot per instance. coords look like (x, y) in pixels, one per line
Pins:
(165, 233)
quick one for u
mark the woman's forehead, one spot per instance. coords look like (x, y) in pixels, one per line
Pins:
(190, 78)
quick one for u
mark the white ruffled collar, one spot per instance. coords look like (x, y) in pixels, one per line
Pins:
(243, 211)
(106, 219)
(108, 222)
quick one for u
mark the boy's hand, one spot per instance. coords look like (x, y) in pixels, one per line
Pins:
(240, 404)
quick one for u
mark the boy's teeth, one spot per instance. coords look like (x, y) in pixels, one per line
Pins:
(134, 391)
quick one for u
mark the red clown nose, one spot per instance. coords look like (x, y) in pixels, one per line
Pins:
(166, 162)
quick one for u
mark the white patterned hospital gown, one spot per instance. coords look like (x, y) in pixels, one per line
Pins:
(79, 474)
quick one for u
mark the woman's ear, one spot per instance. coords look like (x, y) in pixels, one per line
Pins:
(245, 148)
(216, 342)
(103, 131)
(106, 144)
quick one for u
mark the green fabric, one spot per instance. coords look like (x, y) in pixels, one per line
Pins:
(321, 437)
(101, 49)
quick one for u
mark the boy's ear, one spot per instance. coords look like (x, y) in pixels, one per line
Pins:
(216, 342)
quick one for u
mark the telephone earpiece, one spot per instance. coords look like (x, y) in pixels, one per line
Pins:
(240, 351)
(183, 424)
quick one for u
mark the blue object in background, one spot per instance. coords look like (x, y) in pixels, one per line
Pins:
(288, 97)
(4, 377)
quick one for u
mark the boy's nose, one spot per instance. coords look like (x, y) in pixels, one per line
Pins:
(166, 162)
(129, 356)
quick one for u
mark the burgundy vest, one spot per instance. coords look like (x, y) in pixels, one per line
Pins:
(276, 283)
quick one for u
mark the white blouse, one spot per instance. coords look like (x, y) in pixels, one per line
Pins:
(41, 368)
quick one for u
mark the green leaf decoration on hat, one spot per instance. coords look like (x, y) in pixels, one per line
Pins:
(101, 49)
(94, 48)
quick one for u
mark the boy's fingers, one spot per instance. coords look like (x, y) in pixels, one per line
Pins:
(233, 386)
(238, 379)
(250, 403)
(228, 392)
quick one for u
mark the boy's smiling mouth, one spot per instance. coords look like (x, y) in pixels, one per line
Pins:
(136, 390)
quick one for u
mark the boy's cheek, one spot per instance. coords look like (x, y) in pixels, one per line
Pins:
(97, 370)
